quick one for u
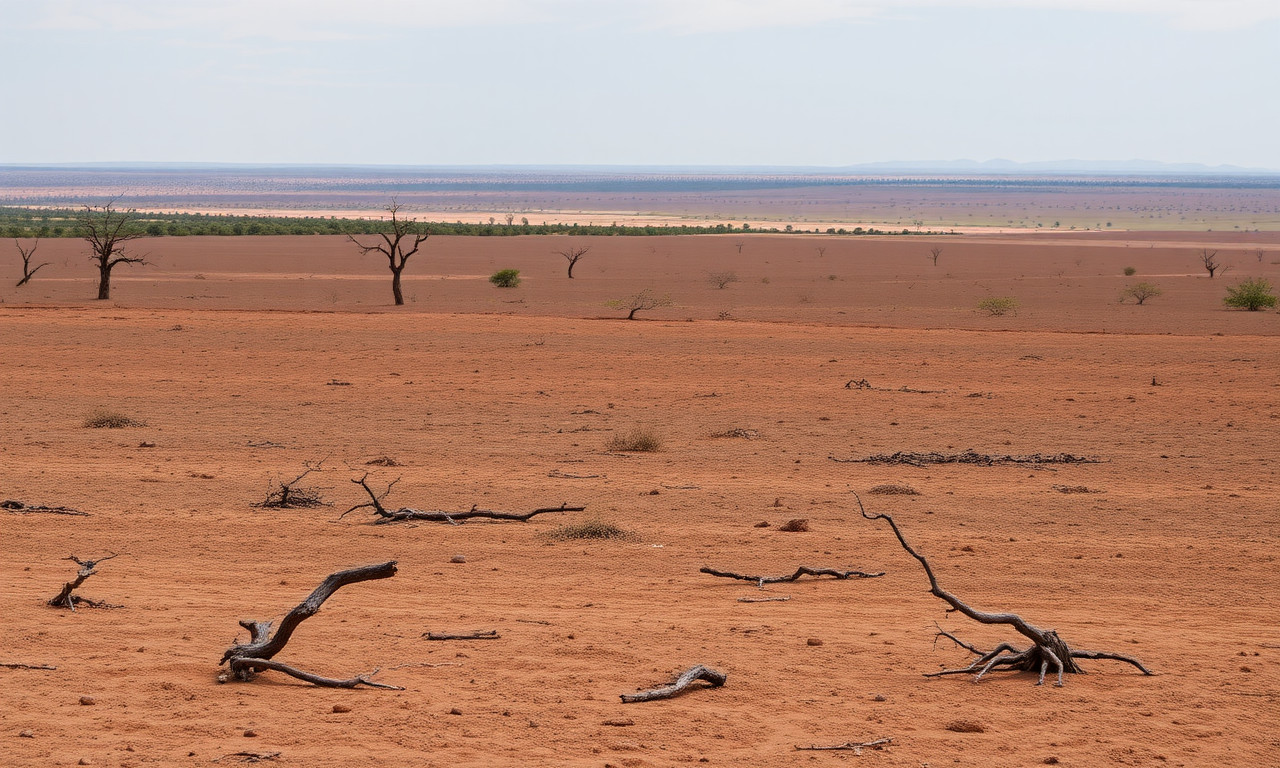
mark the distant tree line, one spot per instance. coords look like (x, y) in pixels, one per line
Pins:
(51, 223)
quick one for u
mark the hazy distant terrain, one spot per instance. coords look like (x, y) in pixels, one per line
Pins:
(1167, 198)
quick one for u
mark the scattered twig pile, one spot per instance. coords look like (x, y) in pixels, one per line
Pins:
(968, 457)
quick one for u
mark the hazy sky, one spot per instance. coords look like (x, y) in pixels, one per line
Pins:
(739, 82)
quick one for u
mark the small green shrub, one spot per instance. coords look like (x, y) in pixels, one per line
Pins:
(589, 529)
(998, 305)
(1130, 271)
(1252, 294)
(103, 418)
(1140, 292)
(637, 439)
(505, 278)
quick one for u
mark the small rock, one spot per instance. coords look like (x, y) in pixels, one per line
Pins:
(795, 526)
(458, 559)
(250, 733)
(455, 711)
(965, 726)
(762, 524)
(339, 709)
(813, 641)
(1051, 761)
(87, 701)
(85, 761)
(27, 735)
(620, 723)
(533, 723)
(879, 697)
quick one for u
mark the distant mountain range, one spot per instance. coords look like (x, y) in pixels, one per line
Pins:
(995, 167)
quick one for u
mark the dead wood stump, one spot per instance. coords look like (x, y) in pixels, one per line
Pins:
(66, 598)
(247, 659)
(1048, 650)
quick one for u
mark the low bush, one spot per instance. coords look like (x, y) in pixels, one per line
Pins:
(998, 305)
(1252, 294)
(505, 278)
(1130, 271)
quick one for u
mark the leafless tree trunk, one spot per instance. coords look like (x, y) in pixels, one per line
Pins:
(1210, 260)
(396, 246)
(28, 272)
(66, 598)
(572, 255)
(106, 230)
(1048, 650)
(935, 252)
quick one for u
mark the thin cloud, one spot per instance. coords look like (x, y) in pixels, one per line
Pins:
(314, 20)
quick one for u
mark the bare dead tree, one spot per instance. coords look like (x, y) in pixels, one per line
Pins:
(739, 245)
(693, 674)
(822, 251)
(407, 514)
(510, 218)
(1047, 649)
(106, 230)
(642, 301)
(935, 252)
(1210, 261)
(404, 239)
(722, 279)
(803, 570)
(65, 598)
(247, 659)
(573, 254)
(27, 253)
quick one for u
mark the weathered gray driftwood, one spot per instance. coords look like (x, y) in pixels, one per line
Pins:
(700, 672)
(247, 659)
(65, 598)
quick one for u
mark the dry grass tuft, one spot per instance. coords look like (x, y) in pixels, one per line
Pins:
(893, 489)
(103, 418)
(636, 439)
(589, 529)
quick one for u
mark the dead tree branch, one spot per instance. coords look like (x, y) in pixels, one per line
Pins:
(803, 570)
(290, 495)
(246, 659)
(22, 508)
(479, 634)
(969, 456)
(572, 254)
(1047, 649)
(405, 514)
(700, 672)
(11, 665)
(65, 598)
(27, 253)
(857, 748)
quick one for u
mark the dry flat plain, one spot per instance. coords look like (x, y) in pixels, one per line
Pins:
(248, 357)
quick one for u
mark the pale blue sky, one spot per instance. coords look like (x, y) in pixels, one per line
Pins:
(727, 82)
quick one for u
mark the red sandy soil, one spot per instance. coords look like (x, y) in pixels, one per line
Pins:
(507, 398)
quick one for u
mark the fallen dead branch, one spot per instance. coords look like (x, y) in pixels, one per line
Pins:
(779, 599)
(857, 748)
(1047, 649)
(290, 495)
(249, 757)
(479, 634)
(700, 672)
(968, 457)
(803, 570)
(11, 665)
(246, 659)
(65, 598)
(22, 508)
(405, 514)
